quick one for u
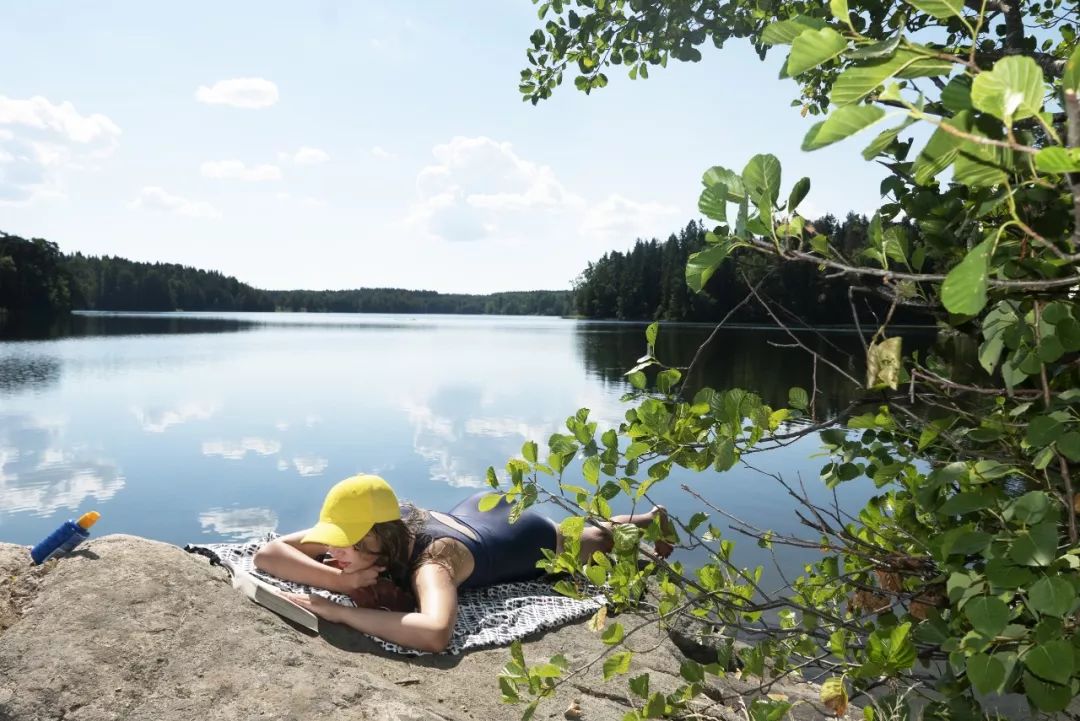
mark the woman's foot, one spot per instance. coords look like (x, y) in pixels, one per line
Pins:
(661, 546)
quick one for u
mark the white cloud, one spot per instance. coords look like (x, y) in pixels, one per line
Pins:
(481, 189)
(617, 218)
(308, 201)
(61, 120)
(241, 524)
(237, 170)
(250, 93)
(235, 451)
(156, 420)
(379, 152)
(310, 465)
(305, 156)
(155, 198)
(40, 141)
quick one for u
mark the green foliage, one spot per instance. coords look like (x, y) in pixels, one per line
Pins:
(960, 570)
(35, 276)
(32, 276)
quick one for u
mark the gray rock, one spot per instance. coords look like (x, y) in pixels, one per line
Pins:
(129, 628)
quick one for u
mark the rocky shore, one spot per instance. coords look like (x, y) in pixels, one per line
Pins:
(129, 628)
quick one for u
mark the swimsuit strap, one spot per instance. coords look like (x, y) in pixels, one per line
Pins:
(435, 529)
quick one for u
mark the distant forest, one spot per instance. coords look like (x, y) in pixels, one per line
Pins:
(36, 276)
(645, 283)
(648, 282)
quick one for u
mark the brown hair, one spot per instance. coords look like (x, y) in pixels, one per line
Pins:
(394, 538)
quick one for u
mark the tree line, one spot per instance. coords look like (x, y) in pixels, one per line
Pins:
(648, 282)
(35, 276)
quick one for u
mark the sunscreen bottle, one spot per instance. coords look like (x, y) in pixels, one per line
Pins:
(65, 538)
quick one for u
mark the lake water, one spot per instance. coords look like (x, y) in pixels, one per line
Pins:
(195, 427)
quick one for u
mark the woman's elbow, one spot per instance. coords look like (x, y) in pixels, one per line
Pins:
(437, 640)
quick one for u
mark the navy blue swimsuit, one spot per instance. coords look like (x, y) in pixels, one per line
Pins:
(504, 552)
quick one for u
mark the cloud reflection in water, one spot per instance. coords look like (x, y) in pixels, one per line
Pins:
(241, 524)
(39, 475)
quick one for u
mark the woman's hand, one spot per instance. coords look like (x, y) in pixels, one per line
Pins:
(321, 607)
(353, 580)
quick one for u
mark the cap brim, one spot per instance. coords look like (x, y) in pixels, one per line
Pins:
(333, 534)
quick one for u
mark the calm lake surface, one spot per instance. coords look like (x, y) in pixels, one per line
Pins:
(200, 427)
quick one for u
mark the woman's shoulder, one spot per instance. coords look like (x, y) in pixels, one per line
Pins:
(450, 554)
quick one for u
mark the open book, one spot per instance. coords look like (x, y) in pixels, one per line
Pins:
(266, 595)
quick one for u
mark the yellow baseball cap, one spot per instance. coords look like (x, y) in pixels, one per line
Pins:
(351, 508)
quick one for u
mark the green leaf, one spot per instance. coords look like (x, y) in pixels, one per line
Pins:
(1056, 159)
(761, 177)
(798, 398)
(636, 449)
(843, 122)
(701, 265)
(986, 672)
(956, 96)
(859, 80)
(1004, 575)
(655, 706)
(1012, 90)
(1044, 430)
(988, 615)
(725, 454)
(713, 202)
(941, 9)
(546, 670)
(732, 182)
(1051, 661)
(666, 380)
(489, 501)
(884, 139)
(1048, 697)
(637, 380)
(617, 663)
(798, 193)
(640, 685)
(613, 634)
(492, 479)
(812, 48)
(839, 10)
(1052, 596)
(981, 165)
(1069, 446)
(1036, 547)
(882, 49)
(528, 451)
(590, 470)
(692, 671)
(964, 289)
(1071, 78)
(941, 150)
(785, 31)
(651, 332)
(966, 502)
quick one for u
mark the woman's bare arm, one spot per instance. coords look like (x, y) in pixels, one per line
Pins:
(428, 629)
(286, 557)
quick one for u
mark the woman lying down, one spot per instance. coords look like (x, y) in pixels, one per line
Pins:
(403, 565)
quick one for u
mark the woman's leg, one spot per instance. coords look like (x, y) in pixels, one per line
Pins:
(600, 538)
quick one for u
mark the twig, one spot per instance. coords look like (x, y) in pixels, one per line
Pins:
(700, 353)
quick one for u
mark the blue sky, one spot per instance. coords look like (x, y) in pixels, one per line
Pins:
(328, 144)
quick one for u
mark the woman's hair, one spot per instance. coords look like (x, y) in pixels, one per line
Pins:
(394, 537)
